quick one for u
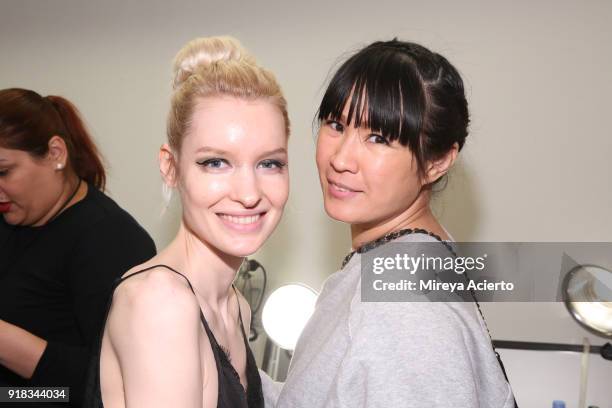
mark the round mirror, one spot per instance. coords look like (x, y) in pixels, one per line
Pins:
(587, 291)
(286, 312)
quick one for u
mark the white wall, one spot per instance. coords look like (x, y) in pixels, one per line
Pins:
(536, 166)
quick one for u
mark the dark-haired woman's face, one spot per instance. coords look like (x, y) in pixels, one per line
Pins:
(365, 179)
(28, 187)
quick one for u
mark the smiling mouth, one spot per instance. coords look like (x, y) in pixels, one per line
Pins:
(341, 187)
(242, 219)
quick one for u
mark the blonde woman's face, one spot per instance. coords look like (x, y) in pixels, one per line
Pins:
(233, 176)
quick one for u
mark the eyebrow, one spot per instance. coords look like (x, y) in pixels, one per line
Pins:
(207, 149)
(275, 151)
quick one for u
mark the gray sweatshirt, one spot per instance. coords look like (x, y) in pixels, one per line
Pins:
(390, 354)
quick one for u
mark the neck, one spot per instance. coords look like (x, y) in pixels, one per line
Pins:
(418, 215)
(67, 192)
(210, 271)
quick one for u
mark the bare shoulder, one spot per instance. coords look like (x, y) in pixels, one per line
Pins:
(153, 300)
(158, 288)
(155, 330)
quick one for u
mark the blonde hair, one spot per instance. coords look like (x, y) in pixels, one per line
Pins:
(217, 66)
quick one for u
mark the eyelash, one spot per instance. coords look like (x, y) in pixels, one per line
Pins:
(275, 164)
(339, 127)
(380, 139)
(334, 124)
(207, 163)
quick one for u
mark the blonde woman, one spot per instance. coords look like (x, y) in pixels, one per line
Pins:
(175, 330)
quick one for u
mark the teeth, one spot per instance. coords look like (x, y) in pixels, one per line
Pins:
(249, 219)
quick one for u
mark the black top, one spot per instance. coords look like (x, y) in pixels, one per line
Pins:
(55, 281)
(231, 393)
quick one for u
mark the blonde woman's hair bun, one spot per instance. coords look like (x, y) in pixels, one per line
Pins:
(205, 52)
(212, 67)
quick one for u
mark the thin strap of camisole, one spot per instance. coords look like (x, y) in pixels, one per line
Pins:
(152, 267)
(209, 332)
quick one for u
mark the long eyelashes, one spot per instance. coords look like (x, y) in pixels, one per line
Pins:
(335, 125)
(272, 164)
(378, 139)
(216, 163)
(372, 137)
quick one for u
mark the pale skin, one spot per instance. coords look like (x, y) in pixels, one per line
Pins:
(230, 166)
(36, 188)
(374, 185)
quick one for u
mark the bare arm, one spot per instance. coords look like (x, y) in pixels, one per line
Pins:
(154, 328)
(20, 350)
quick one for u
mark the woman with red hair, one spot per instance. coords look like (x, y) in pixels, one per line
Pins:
(62, 242)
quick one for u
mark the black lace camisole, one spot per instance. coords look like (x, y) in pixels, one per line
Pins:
(231, 392)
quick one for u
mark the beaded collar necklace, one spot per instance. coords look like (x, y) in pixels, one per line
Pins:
(368, 246)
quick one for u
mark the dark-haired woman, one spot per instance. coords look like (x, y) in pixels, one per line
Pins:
(392, 122)
(62, 243)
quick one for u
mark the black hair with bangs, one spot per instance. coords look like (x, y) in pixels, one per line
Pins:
(404, 91)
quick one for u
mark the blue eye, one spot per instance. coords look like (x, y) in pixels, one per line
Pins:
(335, 125)
(214, 163)
(378, 139)
(272, 164)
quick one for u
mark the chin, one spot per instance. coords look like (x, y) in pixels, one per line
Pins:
(340, 213)
(242, 249)
(245, 243)
(12, 219)
(347, 214)
(241, 245)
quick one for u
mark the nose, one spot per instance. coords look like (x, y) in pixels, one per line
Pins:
(344, 159)
(246, 188)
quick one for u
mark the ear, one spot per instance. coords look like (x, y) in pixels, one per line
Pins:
(441, 166)
(167, 165)
(57, 153)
